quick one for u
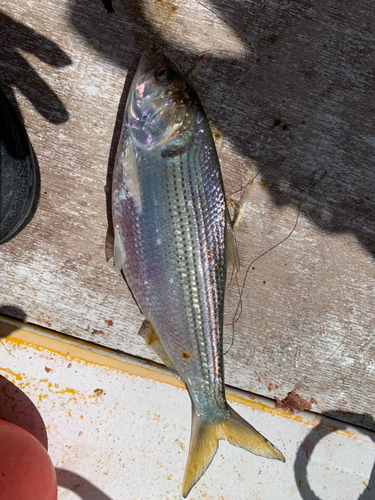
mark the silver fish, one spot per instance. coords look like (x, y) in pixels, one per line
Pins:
(173, 238)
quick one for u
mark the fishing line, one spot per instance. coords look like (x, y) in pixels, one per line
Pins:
(315, 178)
(262, 255)
(243, 206)
(251, 181)
(195, 69)
(212, 11)
(233, 28)
(243, 57)
(244, 200)
(238, 311)
(215, 52)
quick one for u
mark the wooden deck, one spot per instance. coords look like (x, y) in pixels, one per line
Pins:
(289, 89)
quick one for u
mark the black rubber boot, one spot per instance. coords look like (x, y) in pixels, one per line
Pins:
(19, 174)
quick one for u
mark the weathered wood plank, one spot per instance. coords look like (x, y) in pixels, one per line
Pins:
(288, 87)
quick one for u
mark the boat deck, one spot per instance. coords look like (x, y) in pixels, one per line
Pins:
(118, 429)
(288, 90)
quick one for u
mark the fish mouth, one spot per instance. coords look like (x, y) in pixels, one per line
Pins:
(149, 60)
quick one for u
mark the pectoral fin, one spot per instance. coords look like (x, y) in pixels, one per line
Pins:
(148, 332)
(231, 251)
(118, 254)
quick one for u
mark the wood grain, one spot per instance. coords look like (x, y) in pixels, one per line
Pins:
(288, 88)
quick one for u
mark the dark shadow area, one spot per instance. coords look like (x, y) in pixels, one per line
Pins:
(358, 419)
(306, 449)
(18, 409)
(12, 312)
(110, 237)
(79, 485)
(301, 100)
(15, 71)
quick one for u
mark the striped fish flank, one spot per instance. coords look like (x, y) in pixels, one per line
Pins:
(172, 238)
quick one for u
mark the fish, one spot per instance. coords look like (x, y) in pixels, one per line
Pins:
(173, 242)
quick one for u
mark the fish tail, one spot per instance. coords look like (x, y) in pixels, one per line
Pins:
(204, 440)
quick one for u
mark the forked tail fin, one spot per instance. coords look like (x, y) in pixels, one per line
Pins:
(204, 443)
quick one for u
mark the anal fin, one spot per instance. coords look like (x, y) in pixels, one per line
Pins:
(148, 332)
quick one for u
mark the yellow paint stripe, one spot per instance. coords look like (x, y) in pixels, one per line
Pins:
(73, 348)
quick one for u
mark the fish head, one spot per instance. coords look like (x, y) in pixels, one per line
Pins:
(158, 101)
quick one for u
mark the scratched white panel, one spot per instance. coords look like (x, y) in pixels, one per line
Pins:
(116, 436)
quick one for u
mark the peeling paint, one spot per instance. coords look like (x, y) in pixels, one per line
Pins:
(294, 402)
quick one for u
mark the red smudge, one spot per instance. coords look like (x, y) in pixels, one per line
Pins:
(202, 57)
(69, 365)
(108, 322)
(294, 401)
(48, 370)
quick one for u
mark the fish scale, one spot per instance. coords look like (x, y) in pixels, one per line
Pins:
(189, 225)
(172, 235)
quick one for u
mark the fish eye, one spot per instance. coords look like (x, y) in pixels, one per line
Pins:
(164, 75)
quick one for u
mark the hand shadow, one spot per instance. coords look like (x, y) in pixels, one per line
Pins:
(290, 105)
(18, 409)
(15, 71)
(307, 446)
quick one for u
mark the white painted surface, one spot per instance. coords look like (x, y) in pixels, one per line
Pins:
(117, 436)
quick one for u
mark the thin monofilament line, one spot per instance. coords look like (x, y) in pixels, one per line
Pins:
(323, 172)
(238, 311)
(230, 281)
